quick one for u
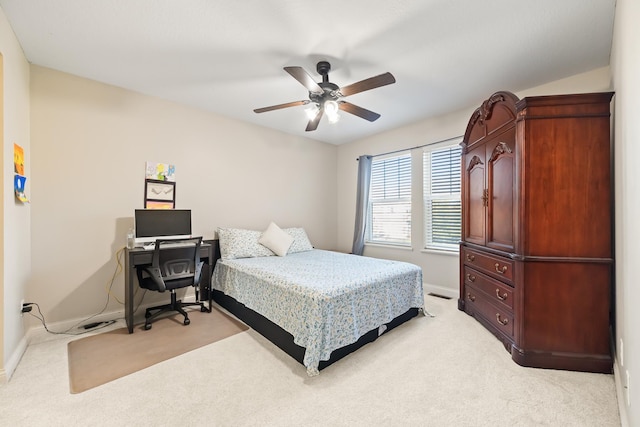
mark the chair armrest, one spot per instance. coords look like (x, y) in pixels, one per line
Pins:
(156, 275)
(198, 273)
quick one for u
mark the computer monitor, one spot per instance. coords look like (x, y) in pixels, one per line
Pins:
(152, 224)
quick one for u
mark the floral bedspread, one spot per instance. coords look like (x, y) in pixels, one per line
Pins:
(325, 299)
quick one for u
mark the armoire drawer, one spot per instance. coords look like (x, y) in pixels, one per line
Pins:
(477, 303)
(493, 265)
(498, 292)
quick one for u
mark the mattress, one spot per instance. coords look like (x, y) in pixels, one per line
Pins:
(325, 300)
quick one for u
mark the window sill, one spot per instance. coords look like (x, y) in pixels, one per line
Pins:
(389, 246)
(440, 252)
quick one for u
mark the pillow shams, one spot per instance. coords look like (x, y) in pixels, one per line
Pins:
(301, 241)
(240, 243)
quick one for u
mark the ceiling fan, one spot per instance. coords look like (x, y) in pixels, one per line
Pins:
(325, 96)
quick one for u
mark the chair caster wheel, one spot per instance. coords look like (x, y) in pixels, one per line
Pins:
(147, 326)
(203, 309)
(186, 322)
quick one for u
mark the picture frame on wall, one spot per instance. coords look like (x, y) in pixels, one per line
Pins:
(159, 194)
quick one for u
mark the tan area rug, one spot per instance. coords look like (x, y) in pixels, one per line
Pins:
(101, 358)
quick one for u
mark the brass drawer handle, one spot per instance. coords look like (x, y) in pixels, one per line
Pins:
(471, 298)
(470, 257)
(501, 297)
(501, 270)
(471, 277)
(501, 321)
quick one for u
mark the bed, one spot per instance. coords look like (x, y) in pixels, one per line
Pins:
(316, 305)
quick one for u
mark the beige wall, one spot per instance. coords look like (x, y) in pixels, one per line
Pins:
(15, 260)
(90, 142)
(625, 66)
(440, 271)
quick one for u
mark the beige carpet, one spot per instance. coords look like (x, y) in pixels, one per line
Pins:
(443, 371)
(104, 357)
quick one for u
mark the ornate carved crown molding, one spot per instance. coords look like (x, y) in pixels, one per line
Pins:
(500, 149)
(475, 160)
(487, 107)
(483, 113)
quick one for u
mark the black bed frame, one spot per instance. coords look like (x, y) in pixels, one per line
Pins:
(282, 338)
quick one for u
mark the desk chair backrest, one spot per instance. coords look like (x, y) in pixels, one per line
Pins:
(175, 264)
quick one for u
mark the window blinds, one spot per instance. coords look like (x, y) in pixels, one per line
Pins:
(442, 206)
(390, 200)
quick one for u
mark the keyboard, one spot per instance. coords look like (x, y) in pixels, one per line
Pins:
(152, 245)
(177, 245)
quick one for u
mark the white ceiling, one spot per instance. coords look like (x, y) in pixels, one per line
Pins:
(228, 56)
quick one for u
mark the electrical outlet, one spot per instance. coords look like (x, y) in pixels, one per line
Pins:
(621, 352)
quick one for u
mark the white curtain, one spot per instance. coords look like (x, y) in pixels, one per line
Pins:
(362, 201)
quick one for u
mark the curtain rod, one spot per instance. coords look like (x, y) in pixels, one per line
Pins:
(417, 146)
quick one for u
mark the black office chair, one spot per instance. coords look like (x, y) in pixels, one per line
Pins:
(175, 264)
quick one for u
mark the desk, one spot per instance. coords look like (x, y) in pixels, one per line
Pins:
(140, 256)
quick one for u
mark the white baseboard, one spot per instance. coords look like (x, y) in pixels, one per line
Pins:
(12, 362)
(620, 393)
(38, 333)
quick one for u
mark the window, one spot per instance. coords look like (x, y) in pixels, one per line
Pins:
(442, 206)
(389, 211)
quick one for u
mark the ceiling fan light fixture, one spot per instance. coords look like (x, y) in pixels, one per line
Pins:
(325, 97)
(331, 110)
(311, 111)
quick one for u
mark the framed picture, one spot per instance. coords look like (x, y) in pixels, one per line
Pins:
(159, 194)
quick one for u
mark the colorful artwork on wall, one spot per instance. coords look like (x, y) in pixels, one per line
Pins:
(19, 179)
(160, 171)
(151, 204)
(18, 159)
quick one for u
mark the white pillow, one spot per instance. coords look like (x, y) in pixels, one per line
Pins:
(276, 239)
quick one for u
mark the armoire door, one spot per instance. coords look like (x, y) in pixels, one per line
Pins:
(501, 175)
(475, 196)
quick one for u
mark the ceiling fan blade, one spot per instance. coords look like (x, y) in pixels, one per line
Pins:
(358, 111)
(313, 123)
(303, 77)
(279, 106)
(367, 84)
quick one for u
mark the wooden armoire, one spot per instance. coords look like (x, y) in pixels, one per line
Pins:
(536, 255)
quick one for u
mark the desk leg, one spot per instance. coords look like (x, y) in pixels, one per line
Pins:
(128, 290)
(205, 287)
(210, 289)
(210, 273)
